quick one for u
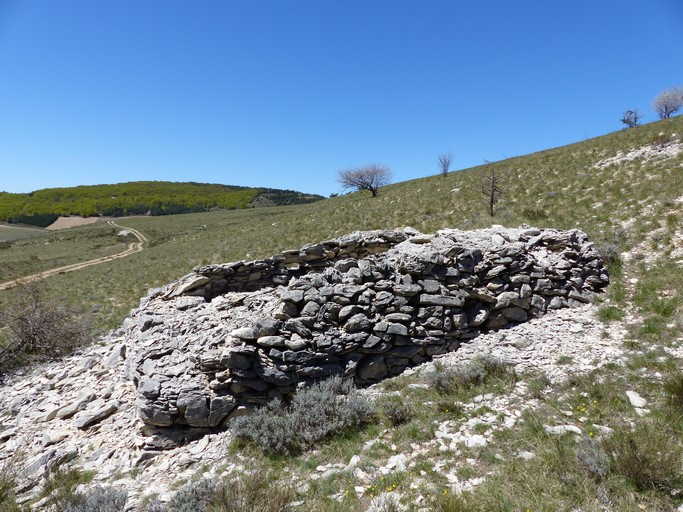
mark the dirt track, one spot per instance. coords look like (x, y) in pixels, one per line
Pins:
(133, 247)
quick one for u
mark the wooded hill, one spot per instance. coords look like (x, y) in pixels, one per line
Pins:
(42, 207)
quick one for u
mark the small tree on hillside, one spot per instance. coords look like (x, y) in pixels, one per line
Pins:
(491, 181)
(445, 160)
(668, 102)
(370, 177)
(631, 118)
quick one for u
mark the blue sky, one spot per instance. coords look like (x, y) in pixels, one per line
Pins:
(284, 94)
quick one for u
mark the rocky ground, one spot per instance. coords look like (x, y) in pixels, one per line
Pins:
(82, 408)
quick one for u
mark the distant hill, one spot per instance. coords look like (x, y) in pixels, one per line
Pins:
(43, 207)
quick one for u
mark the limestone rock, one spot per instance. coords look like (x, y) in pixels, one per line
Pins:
(364, 306)
(89, 417)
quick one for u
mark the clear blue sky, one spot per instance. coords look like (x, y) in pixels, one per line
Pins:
(284, 93)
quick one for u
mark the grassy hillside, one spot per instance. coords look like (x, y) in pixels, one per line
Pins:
(624, 189)
(562, 187)
(138, 198)
(52, 249)
(9, 233)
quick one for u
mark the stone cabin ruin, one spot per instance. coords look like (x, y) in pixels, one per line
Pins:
(365, 306)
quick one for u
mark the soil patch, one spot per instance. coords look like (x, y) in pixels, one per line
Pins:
(71, 222)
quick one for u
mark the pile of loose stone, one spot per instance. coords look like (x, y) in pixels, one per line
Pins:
(365, 306)
(40, 411)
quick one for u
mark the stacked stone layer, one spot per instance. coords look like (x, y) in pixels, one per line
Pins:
(365, 306)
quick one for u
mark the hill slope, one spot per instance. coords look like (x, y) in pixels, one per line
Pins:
(589, 420)
(138, 198)
(617, 202)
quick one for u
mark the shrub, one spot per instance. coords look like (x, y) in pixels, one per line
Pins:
(396, 410)
(36, 327)
(534, 213)
(386, 502)
(258, 491)
(315, 413)
(443, 379)
(98, 499)
(465, 376)
(592, 458)
(673, 387)
(154, 506)
(195, 496)
(61, 483)
(610, 252)
(270, 427)
(9, 471)
(648, 456)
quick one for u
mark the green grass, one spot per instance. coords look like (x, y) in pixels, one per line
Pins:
(60, 484)
(52, 249)
(619, 206)
(556, 188)
(10, 233)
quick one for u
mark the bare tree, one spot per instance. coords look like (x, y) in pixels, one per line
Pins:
(491, 181)
(445, 160)
(370, 177)
(668, 102)
(631, 118)
(32, 326)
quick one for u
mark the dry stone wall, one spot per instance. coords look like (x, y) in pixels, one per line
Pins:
(365, 306)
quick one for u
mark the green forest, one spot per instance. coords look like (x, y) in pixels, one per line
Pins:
(43, 207)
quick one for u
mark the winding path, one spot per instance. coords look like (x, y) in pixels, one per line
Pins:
(132, 248)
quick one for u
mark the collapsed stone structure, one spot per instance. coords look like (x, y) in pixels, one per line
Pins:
(365, 306)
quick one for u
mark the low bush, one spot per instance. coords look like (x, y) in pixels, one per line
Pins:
(258, 491)
(609, 251)
(34, 327)
(396, 410)
(98, 499)
(673, 387)
(196, 496)
(315, 413)
(9, 472)
(648, 456)
(591, 457)
(60, 485)
(450, 379)
(612, 245)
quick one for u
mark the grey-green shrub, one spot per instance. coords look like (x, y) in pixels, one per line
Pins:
(325, 408)
(257, 491)
(98, 499)
(449, 379)
(396, 410)
(194, 496)
(592, 458)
